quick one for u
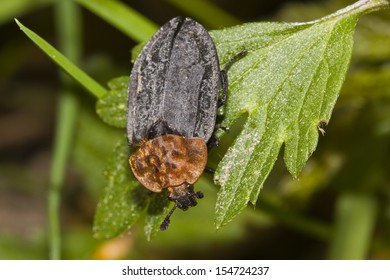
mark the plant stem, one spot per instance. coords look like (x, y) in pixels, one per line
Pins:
(365, 6)
(68, 28)
(355, 220)
(358, 8)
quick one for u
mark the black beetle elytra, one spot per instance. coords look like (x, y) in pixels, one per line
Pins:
(172, 109)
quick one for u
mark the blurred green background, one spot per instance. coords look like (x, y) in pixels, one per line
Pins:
(339, 207)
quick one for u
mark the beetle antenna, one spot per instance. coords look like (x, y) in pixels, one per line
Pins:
(164, 225)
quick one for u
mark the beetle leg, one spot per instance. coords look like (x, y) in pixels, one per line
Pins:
(213, 142)
(219, 126)
(224, 85)
(164, 225)
(224, 78)
(209, 170)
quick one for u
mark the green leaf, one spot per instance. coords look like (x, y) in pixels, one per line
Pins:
(156, 213)
(92, 147)
(86, 81)
(287, 85)
(127, 20)
(123, 200)
(112, 108)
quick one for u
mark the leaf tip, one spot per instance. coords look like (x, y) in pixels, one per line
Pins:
(18, 23)
(219, 223)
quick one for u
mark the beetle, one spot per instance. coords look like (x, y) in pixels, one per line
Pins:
(173, 97)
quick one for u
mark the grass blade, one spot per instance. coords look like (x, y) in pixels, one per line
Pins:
(86, 81)
(127, 20)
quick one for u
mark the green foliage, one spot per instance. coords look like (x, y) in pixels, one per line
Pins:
(288, 84)
(286, 87)
(112, 108)
(93, 146)
(123, 199)
(122, 17)
(76, 73)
